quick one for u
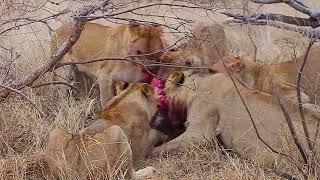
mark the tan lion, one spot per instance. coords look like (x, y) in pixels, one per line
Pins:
(204, 49)
(213, 108)
(113, 144)
(260, 77)
(98, 41)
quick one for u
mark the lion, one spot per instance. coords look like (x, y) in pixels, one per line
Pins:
(248, 72)
(208, 44)
(98, 41)
(112, 144)
(261, 77)
(213, 108)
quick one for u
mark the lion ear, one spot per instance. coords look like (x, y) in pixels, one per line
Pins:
(173, 49)
(119, 86)
(177, 77)
(133, 24)
(234, 65)
(147, 90)
(134, 27)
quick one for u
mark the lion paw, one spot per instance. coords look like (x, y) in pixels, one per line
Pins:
(148, 171)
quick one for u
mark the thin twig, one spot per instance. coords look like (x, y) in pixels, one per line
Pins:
(25, 97)
(290, 124)
(73, 62)
(53, 83)
(303, 120)
(282, 174)
(31, 21)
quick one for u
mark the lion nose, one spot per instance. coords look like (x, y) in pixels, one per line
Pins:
(139, 52)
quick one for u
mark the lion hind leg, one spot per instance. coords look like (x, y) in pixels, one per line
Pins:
(106, 94)
(57, 142)
(115, 146)
(201, 128)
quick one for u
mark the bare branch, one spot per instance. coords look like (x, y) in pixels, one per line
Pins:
(303, 120)
(155, 64)
(267, 1)
(53, 83)
(290, 124)
(314, 23)
(159, 4)
(282, 174)
(296, 4)
(310, 33)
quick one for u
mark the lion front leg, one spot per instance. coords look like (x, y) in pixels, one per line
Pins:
(112, 152)
(155, 137)
(202, 124)
(114, 136)
(105, 86)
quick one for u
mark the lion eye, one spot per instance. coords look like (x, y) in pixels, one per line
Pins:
(173, 50)
(125, 86)
(119, 86)
(188, 63)
(155, 25)
(181, 79)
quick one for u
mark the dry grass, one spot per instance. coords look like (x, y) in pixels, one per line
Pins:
(23, 133)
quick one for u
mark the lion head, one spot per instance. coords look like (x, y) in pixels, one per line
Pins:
(206, 45)
(130, 97)
(247, 71)
(204, 48)
(146, 39)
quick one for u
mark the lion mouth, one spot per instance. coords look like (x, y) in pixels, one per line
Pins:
(158, 85)
(162, 102)
(167, 119)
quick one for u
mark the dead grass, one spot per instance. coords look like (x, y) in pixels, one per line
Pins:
(207, 162)
(23, 133)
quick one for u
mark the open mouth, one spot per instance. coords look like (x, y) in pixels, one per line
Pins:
(166, 120)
